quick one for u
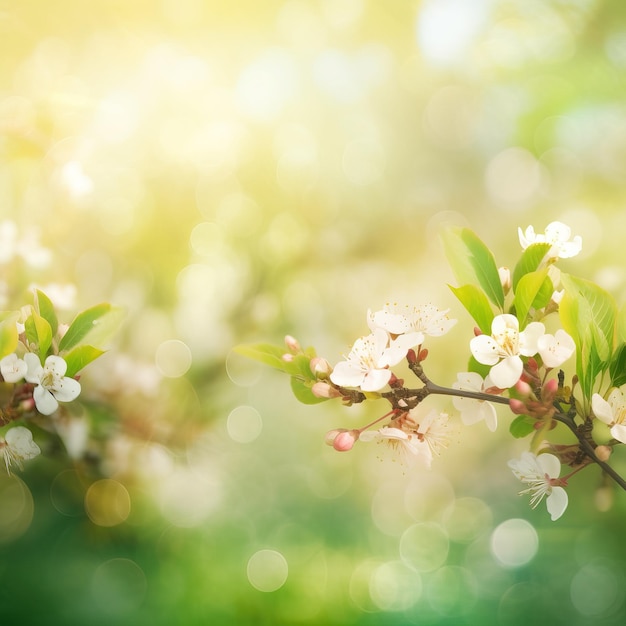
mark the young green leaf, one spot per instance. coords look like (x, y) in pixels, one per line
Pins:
(530, 261)
(8, 333)
(522, 426)
(263, 353)
(45, 308)
(534, 290)
(472, 262)
(303, 392)
(38, 332)
(617, 368)
(477, 305)
(93, 326)
(79, 357)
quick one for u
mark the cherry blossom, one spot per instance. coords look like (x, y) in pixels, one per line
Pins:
(405, 442)
(12, 368)
(504, 348)
(541, 473)
(556, 233)
(17, 446)
(472, 410)
(52, 384)
(612, 412)
(555, 349)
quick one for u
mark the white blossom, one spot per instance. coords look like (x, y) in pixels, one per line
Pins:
(471, 409)
(541, 474)
(557, 234)
(503, 348)
(12, 368)
(612, 412)
(555, 349)
(52, 384)
(17, 446)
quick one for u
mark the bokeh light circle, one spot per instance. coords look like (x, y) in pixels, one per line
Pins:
(16, 512)
(267, 570)
(395, 587)
(452, 590)
(244, 424)
(514, 542)
(107, 502)
(118, 586)
(467, 519)
(173, 358)
(424, 547)
(597, 590)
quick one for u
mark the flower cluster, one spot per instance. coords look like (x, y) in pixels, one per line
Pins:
(515, 362)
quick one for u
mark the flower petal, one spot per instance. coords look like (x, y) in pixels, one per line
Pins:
(375, 380)
(347, 374)
(557, 502)
(506, 373)
(618, 431)
(549, 464)
(67, 390)
(34, 367)
(602, 409)
(56, 364)
(485, 350)
(45, 402)
(529, 338)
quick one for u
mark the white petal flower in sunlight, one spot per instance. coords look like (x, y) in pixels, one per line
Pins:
(12, 368)
(52, 384)
(557, 234)
(541, 474)
(18, 446)
(472, 410)
(612, 412)
(418, 321)
(503, 349)
(366, 365)
(433, 429)
(407, 443)
(555, 349)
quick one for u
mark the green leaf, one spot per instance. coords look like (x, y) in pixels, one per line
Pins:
(303, 392)
(79, 357)
(529, 261)
(477, 305)
(8, 332)
(472, 262)
(38, 331)
(45, 308)
(263, 353)
(94, 326)
(617, 368)
(534, 290)
(522, 426)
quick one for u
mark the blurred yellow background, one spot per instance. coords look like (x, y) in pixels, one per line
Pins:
(231, 172)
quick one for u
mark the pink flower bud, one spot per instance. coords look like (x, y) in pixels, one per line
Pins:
(517, 406)
(603, 452)
(505, 278)
(477, 331)
(320, 367)
(423, 354)
(292, 344)
(324, 390)
(345, 441)
(523, 388)
(332, 434)
(288, 358)
(548, 393)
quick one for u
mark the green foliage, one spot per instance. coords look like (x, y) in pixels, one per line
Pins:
(79, 357)
(617, 367)
(522, 426)
(39, 333)
(530, 261)
(533, 291)
(298, 367)
(45, 308)
(93, 326)
(473, 263)
(476, 303)
(588, 314)
(8, 332)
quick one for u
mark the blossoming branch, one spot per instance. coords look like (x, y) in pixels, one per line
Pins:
(513, 361)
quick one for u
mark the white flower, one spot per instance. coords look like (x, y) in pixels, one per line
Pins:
(433, 430)
(407, 443)
(12, 368)
(416, 322)
(52, 385)
(611, 412)
(367, 364)
(555, 349)
(18, 446)
(503, 349)
(473, 410)
(541, 473)
(558, 235)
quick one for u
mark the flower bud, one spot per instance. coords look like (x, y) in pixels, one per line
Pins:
(345, 440)
(505, 278)
(332, 434)
(324, 390)
(477, 331)
(523, 388)
(548, 393)
(603, 452)
(288, 358)
(320, 367)
(517, 406)
(292, 344)
(423, 354)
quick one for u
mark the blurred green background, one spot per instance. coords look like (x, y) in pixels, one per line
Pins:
(234, 171)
